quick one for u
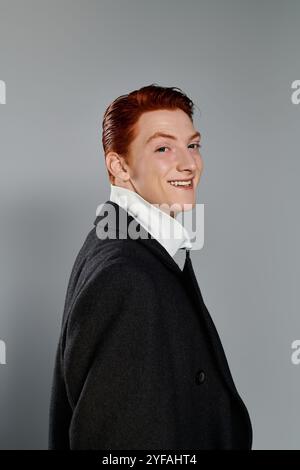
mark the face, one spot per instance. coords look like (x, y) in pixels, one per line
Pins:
(155, 160)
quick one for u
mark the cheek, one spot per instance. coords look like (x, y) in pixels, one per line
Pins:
(153, 170)
(163, 166)
(146, 178)
(201, 165)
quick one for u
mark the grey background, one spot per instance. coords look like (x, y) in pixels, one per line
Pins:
(63, 63)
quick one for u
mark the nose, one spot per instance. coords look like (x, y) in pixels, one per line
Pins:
(186, 161)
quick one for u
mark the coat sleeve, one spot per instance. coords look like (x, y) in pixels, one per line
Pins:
(112, 363)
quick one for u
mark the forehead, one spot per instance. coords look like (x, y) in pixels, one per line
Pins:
(175, 122)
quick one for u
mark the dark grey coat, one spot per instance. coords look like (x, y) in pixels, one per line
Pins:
(139, 363)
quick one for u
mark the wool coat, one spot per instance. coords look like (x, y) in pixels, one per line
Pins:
(139, 362)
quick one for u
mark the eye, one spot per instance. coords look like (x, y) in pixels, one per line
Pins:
(157, 150)
(197, 145)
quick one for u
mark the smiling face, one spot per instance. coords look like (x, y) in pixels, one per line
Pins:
(165, 149)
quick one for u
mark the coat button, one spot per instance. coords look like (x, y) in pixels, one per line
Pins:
(200, 377)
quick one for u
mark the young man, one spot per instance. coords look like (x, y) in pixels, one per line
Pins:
(139, 362)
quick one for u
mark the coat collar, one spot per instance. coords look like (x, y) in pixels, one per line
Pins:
(168, 231)
(120, 223)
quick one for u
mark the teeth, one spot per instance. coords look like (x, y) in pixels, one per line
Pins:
(181, 183)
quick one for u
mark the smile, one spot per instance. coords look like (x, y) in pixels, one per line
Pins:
(182, 184)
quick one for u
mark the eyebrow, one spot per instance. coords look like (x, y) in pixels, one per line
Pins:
(170, 136)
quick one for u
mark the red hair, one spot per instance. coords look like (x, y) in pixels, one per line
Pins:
(121, 116)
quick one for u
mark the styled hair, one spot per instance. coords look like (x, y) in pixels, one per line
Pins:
(121, 116)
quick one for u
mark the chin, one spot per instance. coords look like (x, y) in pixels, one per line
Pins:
(185, 206)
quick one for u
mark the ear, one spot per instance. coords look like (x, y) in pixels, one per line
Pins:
(117, 166)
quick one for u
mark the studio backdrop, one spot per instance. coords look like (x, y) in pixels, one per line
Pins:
(61, 63)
